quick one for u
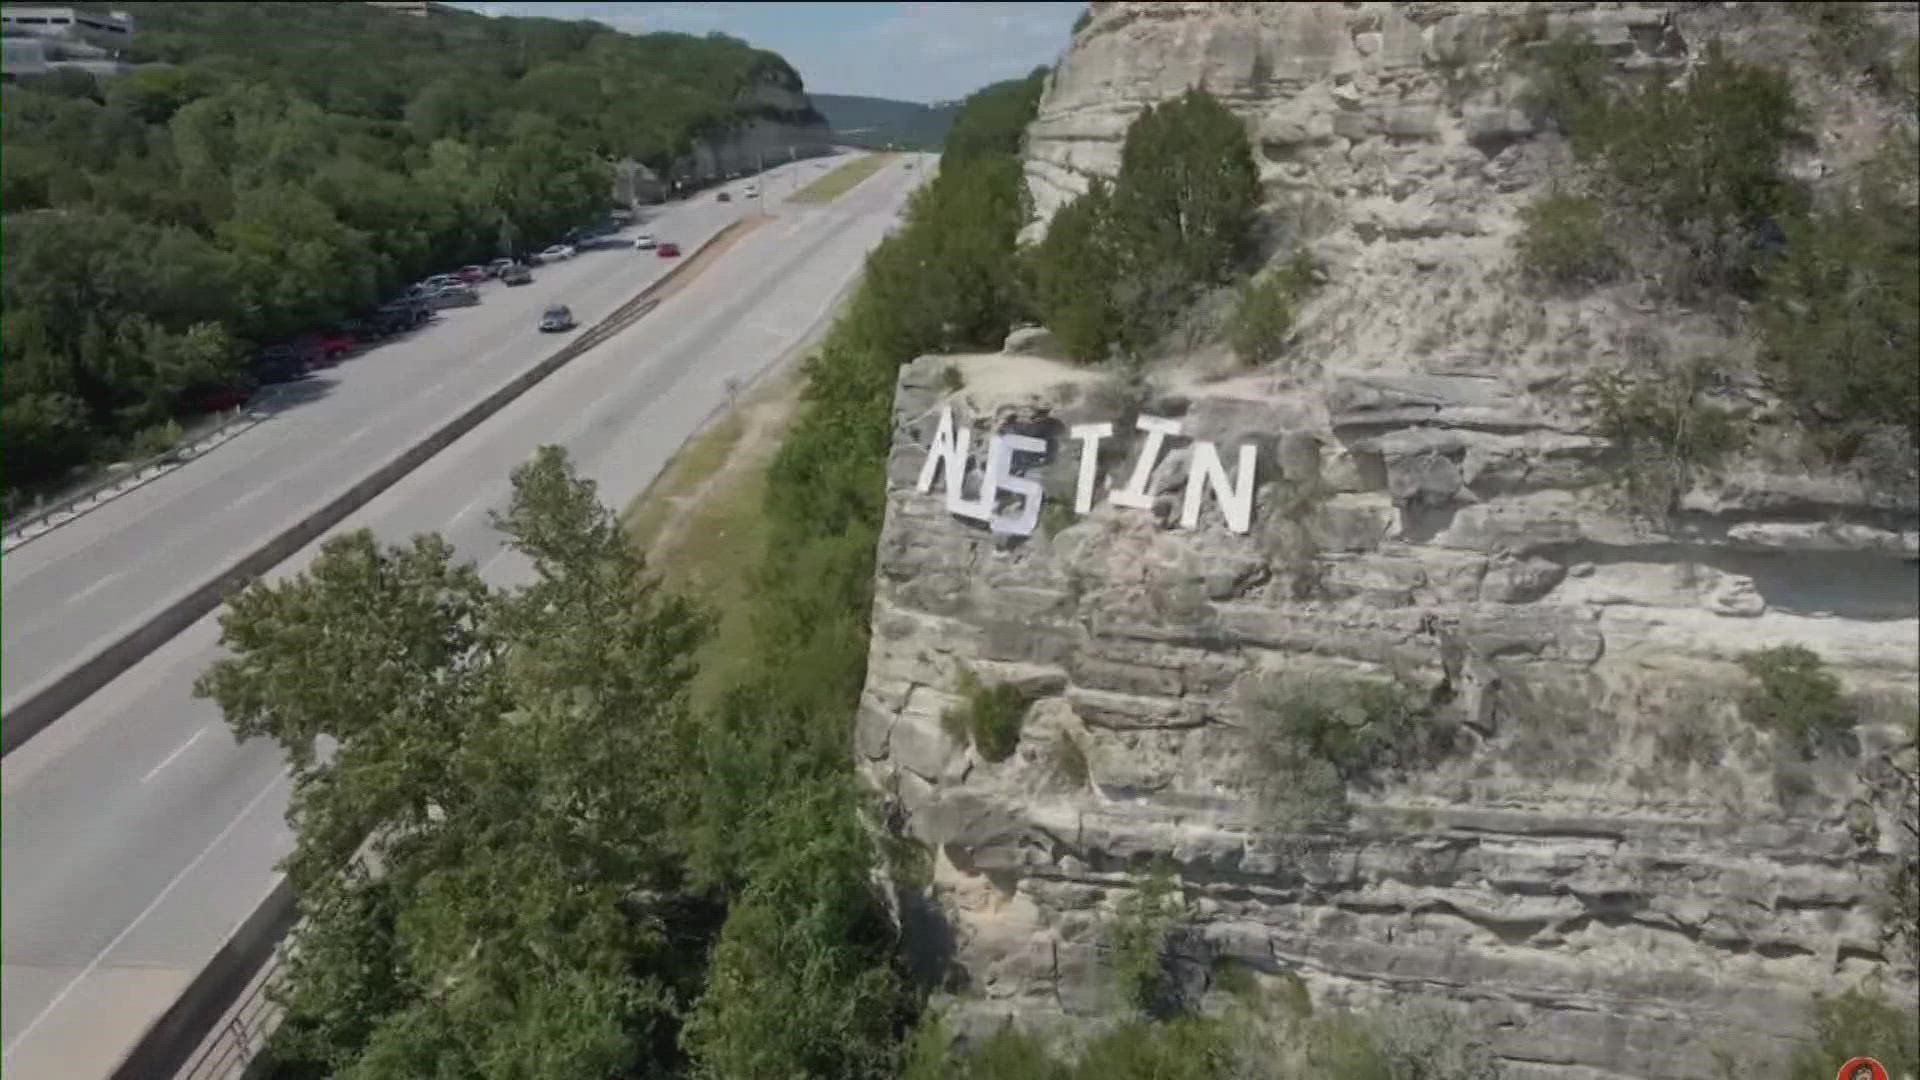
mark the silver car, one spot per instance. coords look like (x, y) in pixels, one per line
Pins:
(456, 295)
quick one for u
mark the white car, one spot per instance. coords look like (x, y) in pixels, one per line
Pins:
(556, 253)
(645, 242)
(752, 190)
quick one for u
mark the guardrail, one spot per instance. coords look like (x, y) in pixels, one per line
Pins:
(45, 517)
(50, 700)
(216, 1029)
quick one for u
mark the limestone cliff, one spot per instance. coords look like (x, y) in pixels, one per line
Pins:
(1613, 871)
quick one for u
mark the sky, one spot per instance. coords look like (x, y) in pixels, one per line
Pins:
(912, 52)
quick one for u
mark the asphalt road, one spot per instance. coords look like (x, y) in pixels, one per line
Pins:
(69, 593)
(137, 833)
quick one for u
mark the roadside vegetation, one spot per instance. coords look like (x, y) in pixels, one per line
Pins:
(273, 168)
(842, 179)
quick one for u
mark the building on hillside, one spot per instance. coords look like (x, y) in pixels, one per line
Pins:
(17, 20)
(38, 40)
(417, 8)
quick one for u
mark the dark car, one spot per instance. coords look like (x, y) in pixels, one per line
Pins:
(212, 399)
(723, 197)
(327, 348)
(669, 251)
(556, 319)
(401, 316)
(279, 366)
(517, 275)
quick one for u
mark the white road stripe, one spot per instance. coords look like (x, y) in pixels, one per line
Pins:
(145, 914)
(178, 750)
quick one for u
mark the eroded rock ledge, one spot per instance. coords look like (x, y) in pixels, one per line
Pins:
(1612, 900)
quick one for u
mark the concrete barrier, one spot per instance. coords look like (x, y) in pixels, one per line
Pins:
(78, 683)
(167, 1045)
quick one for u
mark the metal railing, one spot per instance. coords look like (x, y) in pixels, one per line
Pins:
(236, 1044)
(44, 517)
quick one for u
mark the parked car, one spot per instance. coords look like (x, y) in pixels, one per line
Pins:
(455, 295)
(669, 251)
(517, 274)
(498, 267)
(645, 242)
(555, 319)
(402, 316)
(471, 275)
(279, 366)
(212, 399)
(556, 253)
(328, 347)
(440, 281)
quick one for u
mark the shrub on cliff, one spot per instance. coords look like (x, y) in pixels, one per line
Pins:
(1840, 319)
(1178, 217)
(1563, 240)
(1795, 695)
(1265, 309)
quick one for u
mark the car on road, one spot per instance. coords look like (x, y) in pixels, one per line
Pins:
(516, 275)
(471, 275)
(751, 191)
(723, 197)
(645, 242)
(555, 253)
(556, 319)
(669, 251)
(455, 295)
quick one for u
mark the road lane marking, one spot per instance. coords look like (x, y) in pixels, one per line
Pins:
(357, 432)
(96, 586)
(250, 496)
(178, 750)
(145, 913)
(468, 509)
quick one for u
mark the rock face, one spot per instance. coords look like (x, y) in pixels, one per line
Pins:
(781, 122)
(1613, 869)
(1618, 874)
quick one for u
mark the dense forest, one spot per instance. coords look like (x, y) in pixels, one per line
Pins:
(883, 122)
(270, 168)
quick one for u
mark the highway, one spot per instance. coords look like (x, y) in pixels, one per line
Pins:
(69, 593)
(136, 832)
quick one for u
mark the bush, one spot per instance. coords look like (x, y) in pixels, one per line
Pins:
(1138, 937)
(1569, 77)
(1703, 161)
(1860, 1021)
(1119, 262)
(1796, 696)
(1357, 725)
(1667, 433)
(1563, 240)
(990, 717)
(1265, 313)
(1074, 270)
(1840, 320)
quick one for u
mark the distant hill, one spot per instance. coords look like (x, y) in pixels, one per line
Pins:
(871, 121)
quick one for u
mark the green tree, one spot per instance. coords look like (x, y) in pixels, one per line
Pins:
(1074, 270)
(1188, 190)
(505, 759)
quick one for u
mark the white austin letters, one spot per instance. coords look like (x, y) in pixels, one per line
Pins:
(948, 454)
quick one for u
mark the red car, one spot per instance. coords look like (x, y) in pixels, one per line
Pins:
(326, 348)
(669, 251)
(471, 275)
